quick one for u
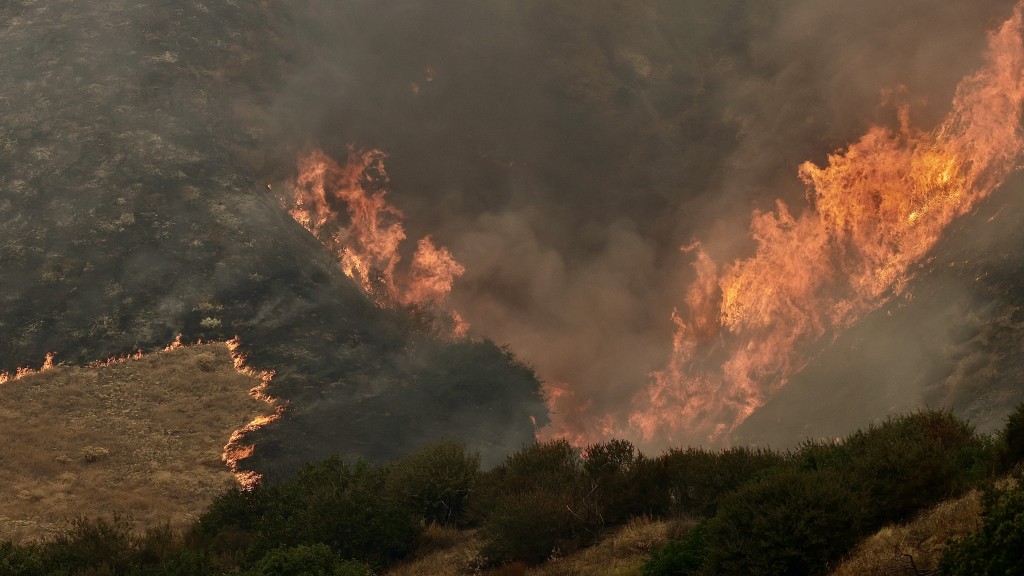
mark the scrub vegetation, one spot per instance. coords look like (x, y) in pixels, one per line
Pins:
(922, 491)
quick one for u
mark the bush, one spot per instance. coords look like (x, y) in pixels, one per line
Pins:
(229, 526)
(908, 463)
(100, 545)
(999, 547)
(614, 471)
(698, 478)
(435, 481)
(683, 557)
(904, 464)
(531, 526)
(789, 522)
(345, 507)
(540, 500)
(313, 560)
(21, 560)
(112, 547)
(544, 464)
(1012, 439)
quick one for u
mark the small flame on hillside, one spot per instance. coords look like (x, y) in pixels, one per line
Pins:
(20, 373)
(874, 212)
(344, 207)
(235, 450)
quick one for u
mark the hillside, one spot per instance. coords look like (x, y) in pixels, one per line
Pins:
(563, 153)
(141, 439)
(134, 206)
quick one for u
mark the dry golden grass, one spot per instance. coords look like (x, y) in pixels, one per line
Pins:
(455, 553)
(915, 547)
(622, 553)
(142, 439)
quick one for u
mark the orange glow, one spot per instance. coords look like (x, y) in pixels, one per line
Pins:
(874, 211)
(236, 449)
(571, 419)
(20, 373)
(345, 208)
(176, 343)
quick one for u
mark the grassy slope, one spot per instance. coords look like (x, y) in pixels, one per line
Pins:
(918, 544)
(143, 438)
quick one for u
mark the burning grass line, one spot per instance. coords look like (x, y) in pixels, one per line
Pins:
(20, 373)
(235, 450)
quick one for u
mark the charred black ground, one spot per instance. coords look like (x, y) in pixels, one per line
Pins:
(131, 212)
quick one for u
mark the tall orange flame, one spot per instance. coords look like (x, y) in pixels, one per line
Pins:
(367, 247)
(873, 212)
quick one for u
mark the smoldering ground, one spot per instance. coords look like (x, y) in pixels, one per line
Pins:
(563, 151)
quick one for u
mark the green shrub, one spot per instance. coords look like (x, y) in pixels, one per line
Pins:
(699, 478)
(531, 526)
(435, 481)
(99, 545)
(230, 525)
(544, 464)
(21, 560)
(683, 557)
(345, 507)
(182, 562)
(113, 547)
(611, 469)
(999, 547)
(242, 509)
(549, 465)
(908, 463)
(1012, 439)
(540, 500)
(312, 560)
(812, 455)
(646, 491)
(788, 522)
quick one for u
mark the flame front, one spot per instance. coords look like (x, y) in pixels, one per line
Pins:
(236, 450)
(345, 208)
(874, 211)
(23, 372)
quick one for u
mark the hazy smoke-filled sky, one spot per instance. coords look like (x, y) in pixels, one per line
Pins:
(565, 151)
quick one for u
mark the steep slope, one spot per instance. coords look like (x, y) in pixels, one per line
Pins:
(954, 341)
(134, 206)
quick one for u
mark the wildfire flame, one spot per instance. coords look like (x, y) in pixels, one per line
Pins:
(20, 373)
(874, 211)
(327, 196)
(235, 450)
